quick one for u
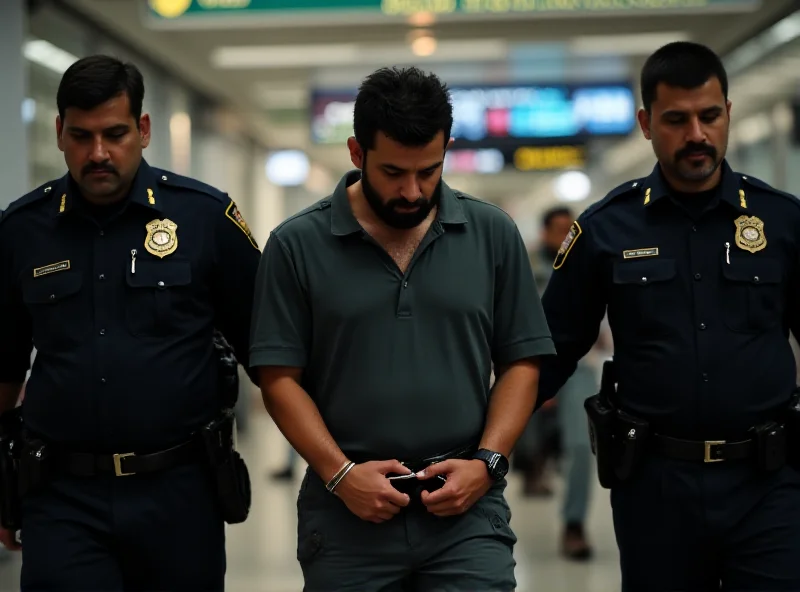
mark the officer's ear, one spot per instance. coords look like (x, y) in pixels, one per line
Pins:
(356, 153)
(144, 130)
(644, 122)
(59, 129)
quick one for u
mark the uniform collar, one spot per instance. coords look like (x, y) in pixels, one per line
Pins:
(144, 191)
(343, 222)
(730, 190)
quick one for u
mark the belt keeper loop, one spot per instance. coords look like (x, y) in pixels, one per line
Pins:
(337, 478)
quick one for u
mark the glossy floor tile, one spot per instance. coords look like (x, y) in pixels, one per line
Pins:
(261, 552)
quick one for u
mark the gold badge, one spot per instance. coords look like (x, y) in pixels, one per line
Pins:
(750, 233)
(574, 232)
(162, 239)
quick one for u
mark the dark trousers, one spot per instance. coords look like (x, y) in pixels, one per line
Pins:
(695, 527)
(161, 531)
(414, 551)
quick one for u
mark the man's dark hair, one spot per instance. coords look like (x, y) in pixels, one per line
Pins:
(682, 64)
(93, 80)
(554, 213)
(406, 104)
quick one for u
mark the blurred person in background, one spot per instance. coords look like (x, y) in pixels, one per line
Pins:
(696, 427)
(379, 313)
(564, 417)
(119, 274)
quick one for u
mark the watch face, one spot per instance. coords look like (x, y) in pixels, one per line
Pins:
(496, 463)
(499, 466)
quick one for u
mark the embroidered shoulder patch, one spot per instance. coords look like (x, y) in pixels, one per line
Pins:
(233, 213)
(569, 241)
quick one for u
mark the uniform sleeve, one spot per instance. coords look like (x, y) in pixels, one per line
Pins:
(281, 333)
(16, 341)
(520, 328)
(234, 280)
(793, 295)
(574, 304)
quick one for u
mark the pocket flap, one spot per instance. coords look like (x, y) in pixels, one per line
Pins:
(753, 270)
(644, 272)
(166, 273)
(51, 288)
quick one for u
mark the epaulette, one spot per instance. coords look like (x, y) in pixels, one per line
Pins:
(174, 180)
(758, 183)
(627, 187)
(38, 194)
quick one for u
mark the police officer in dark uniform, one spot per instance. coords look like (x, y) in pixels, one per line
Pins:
(698, 268)
(119, 274)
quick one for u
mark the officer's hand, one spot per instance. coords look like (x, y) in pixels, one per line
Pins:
(9, 539)
(367, 492)
(467, 481)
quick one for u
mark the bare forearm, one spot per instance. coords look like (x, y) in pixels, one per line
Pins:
(510, 406)
(9, 395)
(299, 420)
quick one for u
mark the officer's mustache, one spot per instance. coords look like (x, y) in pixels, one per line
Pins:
(99, 168)
(692, 149)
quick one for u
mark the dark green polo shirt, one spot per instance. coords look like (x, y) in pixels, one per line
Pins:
(398, 364)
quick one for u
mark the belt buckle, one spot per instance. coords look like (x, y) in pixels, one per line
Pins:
(118, 464)
(708, 444)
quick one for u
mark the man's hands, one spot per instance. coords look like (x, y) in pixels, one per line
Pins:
(9, 539)
(467, 481)
(368, 494)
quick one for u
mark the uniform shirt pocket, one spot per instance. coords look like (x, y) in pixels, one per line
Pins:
(752, 295)
(56, 308)
(158, 295)
(642, 293)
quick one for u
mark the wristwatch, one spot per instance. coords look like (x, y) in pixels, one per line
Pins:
(496, 463)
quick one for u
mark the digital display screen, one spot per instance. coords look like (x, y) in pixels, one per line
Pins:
(489, 115)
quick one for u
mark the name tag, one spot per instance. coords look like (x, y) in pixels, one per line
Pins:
(52, 268)
(636, 253)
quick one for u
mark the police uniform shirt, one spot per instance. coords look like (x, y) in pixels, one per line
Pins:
(398, 363)
(700, 303)
(121, 304)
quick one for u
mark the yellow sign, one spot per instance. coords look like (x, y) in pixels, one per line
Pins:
(548, 158)
(170, 8)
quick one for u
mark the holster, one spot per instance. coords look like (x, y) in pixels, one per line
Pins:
(227, 372)
(793, 430)
(618, 439)
(10, 452)
(228, 469)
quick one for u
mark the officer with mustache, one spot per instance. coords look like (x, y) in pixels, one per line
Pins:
(697, 266)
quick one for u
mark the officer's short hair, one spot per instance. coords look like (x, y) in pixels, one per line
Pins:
(93, 80)
(682, 64)
(555, 212)
(406, 104)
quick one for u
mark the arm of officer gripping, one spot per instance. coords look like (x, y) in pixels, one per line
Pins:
(236, 265)
(574, 303)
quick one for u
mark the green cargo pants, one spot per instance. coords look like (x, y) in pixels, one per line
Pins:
(414, 551)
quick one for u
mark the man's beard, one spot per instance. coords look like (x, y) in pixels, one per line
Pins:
(387, 211)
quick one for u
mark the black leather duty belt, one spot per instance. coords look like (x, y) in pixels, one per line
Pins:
(80, 464)
(709, 451)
